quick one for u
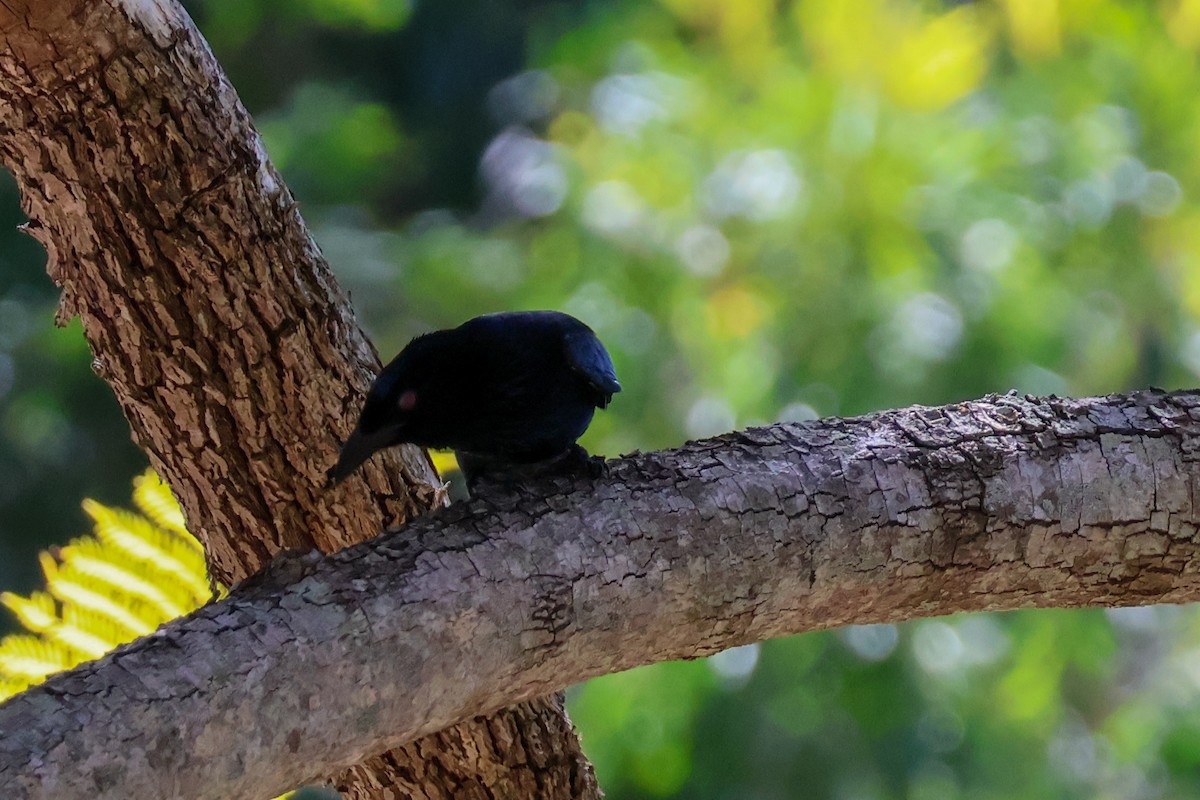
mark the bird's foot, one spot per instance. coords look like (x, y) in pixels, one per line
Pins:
(480, 470)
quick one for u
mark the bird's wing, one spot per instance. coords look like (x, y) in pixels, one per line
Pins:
(587, 356)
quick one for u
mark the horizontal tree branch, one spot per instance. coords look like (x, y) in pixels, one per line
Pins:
(1002, 503)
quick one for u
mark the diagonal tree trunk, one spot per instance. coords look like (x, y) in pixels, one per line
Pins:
(999, 504)
(213, 316)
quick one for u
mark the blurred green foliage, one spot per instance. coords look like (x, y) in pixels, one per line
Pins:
(768, 210)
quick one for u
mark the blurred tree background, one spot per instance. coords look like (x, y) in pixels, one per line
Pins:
(769, 210)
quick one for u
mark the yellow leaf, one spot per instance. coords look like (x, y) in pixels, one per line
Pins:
(1035, 27)
(942, 61)
(133, 573)
(36, 612)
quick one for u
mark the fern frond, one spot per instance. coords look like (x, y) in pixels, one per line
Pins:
(133, 573)
(119, 614)
(90, 627)
(177, 557)
(124, 580)
(28, 659)
(90, 562)
(95, 576)
(154, 499)
(36, 613)
(443, 461)
(48, 564)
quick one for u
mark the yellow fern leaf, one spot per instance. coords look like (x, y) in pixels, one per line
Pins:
(133, 573)
(48, 564)
(88, 561)
(127, 623)
(177, 555)
(86, 644)
(29, 659)
(154, 499)
(443, 461)
(35, 613)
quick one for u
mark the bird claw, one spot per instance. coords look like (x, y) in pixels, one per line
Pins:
(480, 470)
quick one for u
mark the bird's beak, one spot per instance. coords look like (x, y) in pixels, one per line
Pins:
(357, 449)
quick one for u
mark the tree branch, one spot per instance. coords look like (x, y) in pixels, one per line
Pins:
(1002, 503)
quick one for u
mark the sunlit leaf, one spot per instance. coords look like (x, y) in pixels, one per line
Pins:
(129, 576)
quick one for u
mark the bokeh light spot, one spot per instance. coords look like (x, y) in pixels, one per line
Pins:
(736, 665)
(704, 250)
(710, 416)
(524, 174)
(612, 207)
(797, 412)
(937, 647)
(735, 312)
(625, 104)
(1160, 196)
(524, 98)
(988, 245)
(758, 185)
(870, 642)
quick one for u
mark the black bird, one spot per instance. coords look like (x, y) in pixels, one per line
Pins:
(501, 390)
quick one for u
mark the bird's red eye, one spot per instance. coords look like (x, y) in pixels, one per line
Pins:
(407, 401)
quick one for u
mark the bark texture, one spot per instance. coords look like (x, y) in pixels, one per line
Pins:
(213, 316)
(998, 504)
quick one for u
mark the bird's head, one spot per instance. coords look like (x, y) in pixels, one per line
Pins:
(393, 410)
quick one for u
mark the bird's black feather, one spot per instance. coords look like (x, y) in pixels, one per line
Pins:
(587, 356)
(516, 387)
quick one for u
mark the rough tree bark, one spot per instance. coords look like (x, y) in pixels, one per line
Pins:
(213, 316)
(998, 504)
